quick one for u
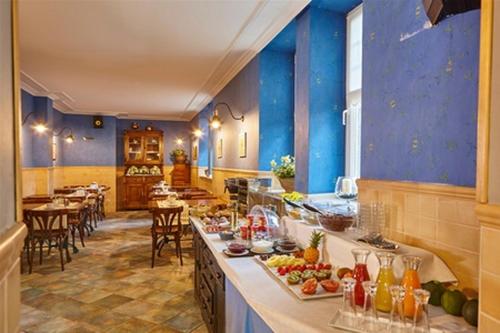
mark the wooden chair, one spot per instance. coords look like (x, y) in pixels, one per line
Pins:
(77, 221)
(166, 227)
(47, 226)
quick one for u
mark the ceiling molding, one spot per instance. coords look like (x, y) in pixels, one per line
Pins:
(60, 99)
(120, 115)
(229, 67)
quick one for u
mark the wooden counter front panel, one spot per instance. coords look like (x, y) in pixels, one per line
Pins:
(209, 285)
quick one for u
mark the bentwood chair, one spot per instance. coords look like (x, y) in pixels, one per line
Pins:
(166, 227)
(47, 226)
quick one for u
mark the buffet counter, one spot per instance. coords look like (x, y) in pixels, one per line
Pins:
(239, 294)
(279, 310)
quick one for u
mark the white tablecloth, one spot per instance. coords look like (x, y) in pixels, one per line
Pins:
(336, 249)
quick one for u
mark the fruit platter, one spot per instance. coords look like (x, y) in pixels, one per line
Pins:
(305, 281)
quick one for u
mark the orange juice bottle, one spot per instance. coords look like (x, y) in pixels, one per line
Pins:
(385, 279)
(410, 282)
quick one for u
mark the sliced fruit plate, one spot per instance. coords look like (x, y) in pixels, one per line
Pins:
(306, 282)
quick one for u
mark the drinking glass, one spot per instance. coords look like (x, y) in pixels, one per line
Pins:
(348, 306)
(370, 314)
(397, 317)
(421, 304)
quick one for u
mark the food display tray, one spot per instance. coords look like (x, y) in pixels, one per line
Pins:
(439, 323)
(295, 289)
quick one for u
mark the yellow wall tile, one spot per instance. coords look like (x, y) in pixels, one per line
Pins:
(458, 236)
(490, 240)
(490, 301)
(416, 213)
(448, 210)
(427, 228)
(488, 324)
(412, 203)
(428, 206)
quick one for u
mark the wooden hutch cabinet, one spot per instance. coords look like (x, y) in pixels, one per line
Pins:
(143, 152)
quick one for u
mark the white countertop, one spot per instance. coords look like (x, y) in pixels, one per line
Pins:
(279, 308)
(282, 312)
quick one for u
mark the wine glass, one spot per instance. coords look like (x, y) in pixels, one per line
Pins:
(346, 188)
(421, 304)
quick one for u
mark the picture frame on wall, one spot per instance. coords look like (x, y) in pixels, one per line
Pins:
(242, 144)
(219, 148)
(195, 152)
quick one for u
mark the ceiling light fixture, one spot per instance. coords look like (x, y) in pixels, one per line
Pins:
(215, 121)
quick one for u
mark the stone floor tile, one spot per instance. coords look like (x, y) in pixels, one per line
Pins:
(112, 301)
(110, 287)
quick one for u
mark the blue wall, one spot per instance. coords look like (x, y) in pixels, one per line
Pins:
(28, 105)
(242, 95)
(419, 94)
(105, 150)
(319, 100)
(101, 151)
(171, 131)
(276, 106)
(201, 122)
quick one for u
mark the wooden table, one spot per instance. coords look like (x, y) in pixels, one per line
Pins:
(194, 202)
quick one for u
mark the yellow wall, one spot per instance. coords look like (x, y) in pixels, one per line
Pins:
(38, 180)
(439, 218)
(35, 181)
(216, 184)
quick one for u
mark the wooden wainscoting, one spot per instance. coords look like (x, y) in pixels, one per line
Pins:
(439, 218)
(11, 243)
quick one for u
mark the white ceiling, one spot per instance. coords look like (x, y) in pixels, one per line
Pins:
(150, 59)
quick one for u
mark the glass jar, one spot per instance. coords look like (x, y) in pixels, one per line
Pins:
(410, 282)
(360, 274)
(385, 279)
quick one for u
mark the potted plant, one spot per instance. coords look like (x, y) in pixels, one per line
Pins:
(178, 155)
(285, 172)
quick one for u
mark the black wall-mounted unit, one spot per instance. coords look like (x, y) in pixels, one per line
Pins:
(437, 10)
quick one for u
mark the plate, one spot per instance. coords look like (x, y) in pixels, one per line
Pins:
(231, 254)
(282, 250)
(254, 250)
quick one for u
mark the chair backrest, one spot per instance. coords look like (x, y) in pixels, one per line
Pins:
(48, 222)
(40, 200)
(167, 219)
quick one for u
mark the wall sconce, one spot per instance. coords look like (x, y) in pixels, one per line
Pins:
(179, 141)
(70, 138)
(215, 121)
(39, 126)
(198, 133)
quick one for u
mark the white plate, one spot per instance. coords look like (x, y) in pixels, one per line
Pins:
(231, 254)
(254, 250)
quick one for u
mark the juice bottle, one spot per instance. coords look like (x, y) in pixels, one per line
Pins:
(385, 279)
(410, 282)
(360, 274)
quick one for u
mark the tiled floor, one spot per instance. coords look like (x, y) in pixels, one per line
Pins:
(110, 287)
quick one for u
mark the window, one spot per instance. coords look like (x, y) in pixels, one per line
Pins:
(352, 114)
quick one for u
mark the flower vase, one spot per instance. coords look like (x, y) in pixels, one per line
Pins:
(288, 184)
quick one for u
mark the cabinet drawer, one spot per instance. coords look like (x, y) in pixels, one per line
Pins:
(133, 179)
(207, 304)
(211, 264)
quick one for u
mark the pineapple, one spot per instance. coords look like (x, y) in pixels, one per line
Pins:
(311, 254)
